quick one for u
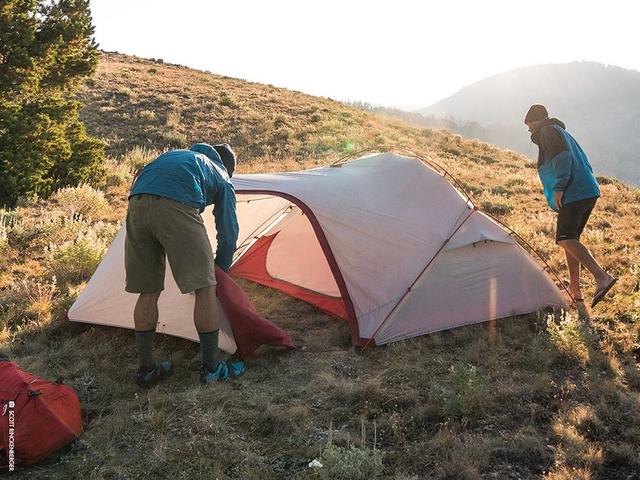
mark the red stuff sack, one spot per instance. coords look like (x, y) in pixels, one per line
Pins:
(44, 416)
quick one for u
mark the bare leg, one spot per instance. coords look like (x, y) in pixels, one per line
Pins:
(574, 276)
(582, 255)
(145, 314)
(206, 313)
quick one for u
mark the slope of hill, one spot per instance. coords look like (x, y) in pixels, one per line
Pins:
(553, 396)
(599, 104)
(133, 101)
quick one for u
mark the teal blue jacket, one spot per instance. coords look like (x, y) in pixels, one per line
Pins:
(563, 166)
(197, 178)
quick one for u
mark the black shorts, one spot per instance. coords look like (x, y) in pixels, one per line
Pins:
(572, 218)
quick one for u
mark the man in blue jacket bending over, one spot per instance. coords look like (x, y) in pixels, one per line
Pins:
(163, 220)
(571, 190)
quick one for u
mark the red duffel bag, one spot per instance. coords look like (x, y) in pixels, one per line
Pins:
(37, 417)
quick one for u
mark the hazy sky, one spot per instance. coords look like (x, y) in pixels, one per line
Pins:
(402, 53)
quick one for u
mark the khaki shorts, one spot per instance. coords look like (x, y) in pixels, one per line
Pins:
(158, 227)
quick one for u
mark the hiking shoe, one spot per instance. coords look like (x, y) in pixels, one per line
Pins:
(237, 369)
(220, 374)
(146, 379)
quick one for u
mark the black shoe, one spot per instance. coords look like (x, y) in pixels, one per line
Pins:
(151, 377)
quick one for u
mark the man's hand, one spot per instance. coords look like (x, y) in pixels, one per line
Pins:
(557, 199)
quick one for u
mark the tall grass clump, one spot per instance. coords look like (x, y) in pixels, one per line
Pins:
(118, 173)
(9, 219)
(84, 200)
(26, 303)
(138, 156)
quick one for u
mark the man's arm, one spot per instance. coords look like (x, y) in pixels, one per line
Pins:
(224, 212)
(555, 149)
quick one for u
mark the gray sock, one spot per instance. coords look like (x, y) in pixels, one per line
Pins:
(209, 349)
(144, 346)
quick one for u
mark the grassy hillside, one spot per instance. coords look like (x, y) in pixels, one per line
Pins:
(530, 397)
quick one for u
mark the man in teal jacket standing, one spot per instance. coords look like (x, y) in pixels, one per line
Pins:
(163, 221)
(572, 190)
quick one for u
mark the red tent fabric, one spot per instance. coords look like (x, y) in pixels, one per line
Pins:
(253, 266)
(250, 330)
(43, 416)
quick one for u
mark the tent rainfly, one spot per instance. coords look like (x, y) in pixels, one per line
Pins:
(384, 242)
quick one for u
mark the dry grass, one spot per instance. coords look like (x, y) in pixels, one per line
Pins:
(537, 397)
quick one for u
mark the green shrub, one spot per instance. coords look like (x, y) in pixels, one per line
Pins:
(470, 189)
(350, 463)
(516, 182)
(462, 391)
(496, 208)
(76, 260)
(227, 101)
(456, 152)
(571, 337)
(322, 145)
(500, 190)
(84, 200)
(348, 146)
(281, 136)
(484, 159)
(602, 180)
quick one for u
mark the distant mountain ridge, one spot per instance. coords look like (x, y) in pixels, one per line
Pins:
(600, 105)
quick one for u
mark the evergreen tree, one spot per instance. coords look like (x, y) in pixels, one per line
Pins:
(46, 50)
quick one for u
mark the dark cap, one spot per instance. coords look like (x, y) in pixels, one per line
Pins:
(222, 150)
(535, 113)
(228, 157)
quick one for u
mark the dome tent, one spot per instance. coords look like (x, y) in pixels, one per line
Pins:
(383, 241)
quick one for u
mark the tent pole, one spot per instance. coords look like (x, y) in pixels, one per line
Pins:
(406, 294)
(424, 159)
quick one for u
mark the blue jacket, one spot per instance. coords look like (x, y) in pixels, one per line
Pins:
(563, 166)
(197, 178)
